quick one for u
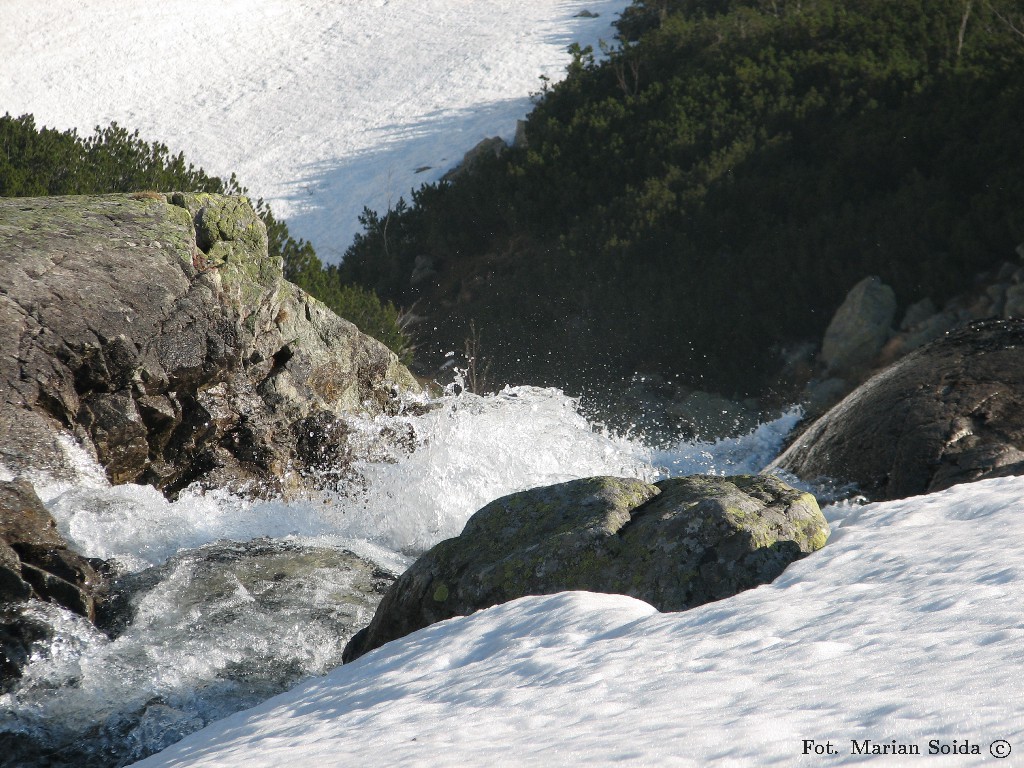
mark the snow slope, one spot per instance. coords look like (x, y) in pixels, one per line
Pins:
(320, 107)
(906, 628)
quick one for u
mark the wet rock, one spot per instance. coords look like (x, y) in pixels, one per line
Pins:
(677, 544)
(160, 333)
(232, 623)
(118, 433)
(159, 727)
(35, 560)
(329, 591)
(947, 413)
(36, 563)
(19, 632)
(323, 442)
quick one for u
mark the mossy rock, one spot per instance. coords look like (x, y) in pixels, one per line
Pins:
(676, 544)
(233, 241)
(222, 218)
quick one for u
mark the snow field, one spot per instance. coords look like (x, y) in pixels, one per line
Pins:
(906, 626)
(319, 107)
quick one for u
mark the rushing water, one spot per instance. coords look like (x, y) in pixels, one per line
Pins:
(233, 600)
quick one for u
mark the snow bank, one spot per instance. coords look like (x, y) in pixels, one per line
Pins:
(905, 629)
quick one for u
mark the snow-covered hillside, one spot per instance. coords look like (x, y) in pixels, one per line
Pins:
(320, 107)
(905, 632)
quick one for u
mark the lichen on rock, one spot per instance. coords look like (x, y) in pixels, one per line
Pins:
(676, 544)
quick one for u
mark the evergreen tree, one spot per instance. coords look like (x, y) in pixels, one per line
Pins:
(707, 194)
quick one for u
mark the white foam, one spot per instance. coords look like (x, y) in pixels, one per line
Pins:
(743, 455)
(469, 450)
(473, 449)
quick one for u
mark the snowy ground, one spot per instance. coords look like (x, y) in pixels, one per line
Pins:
(320, 107)
(905, 630)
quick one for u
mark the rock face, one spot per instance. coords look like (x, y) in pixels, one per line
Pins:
(494, 146)
(676, 544)
(947, 413)
(159, 333)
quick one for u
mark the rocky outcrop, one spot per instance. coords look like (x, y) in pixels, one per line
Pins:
(157, 330)
(947, 413)
(676, 544)
(494, 146)
(36, 563)
(996, 294)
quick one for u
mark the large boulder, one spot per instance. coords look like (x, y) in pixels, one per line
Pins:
(860, 327)
(676, 544)
(159, 332)
(947, 413)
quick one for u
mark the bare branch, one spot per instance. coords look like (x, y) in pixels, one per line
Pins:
(963, 28)
(1014, 25)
